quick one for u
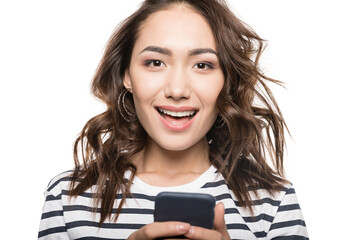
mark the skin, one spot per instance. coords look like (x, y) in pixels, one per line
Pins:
(156, 229)
(174, 63)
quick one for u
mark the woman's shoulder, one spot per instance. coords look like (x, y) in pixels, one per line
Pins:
(275, 196)
(271, 202)
(260, 197)
(59, 183)
(257, 194)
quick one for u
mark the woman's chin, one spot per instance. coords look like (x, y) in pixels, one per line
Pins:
(177, 145)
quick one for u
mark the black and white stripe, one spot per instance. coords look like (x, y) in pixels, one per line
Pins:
(275, 217)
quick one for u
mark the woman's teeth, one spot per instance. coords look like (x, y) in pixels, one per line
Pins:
(177, 114)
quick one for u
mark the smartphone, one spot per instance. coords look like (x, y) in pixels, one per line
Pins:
(194, 208)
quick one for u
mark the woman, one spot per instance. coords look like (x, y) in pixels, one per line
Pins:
(188, 110)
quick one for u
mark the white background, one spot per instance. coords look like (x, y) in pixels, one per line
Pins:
(49, 51)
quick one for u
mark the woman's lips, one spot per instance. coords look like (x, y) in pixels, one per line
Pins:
(177, 118)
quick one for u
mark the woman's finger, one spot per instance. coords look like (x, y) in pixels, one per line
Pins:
(219, 232)
(200, 233)
(219, 220)
(160, 229)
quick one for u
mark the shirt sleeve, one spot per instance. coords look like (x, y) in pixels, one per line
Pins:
(52, 224)
(288, 223)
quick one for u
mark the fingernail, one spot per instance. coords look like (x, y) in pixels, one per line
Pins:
(191, 230)
(181, 228)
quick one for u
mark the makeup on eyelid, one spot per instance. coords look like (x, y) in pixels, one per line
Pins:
(158, 63)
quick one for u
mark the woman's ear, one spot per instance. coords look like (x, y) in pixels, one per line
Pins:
(127, 80)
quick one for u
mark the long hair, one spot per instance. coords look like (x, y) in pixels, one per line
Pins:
(250, 125)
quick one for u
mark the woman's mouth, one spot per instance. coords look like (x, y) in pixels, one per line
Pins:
(177, 119)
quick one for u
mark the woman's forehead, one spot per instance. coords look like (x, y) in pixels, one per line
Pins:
(178, 26)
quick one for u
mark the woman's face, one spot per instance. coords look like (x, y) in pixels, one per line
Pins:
(175, 77)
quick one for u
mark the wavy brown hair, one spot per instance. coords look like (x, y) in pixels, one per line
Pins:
(250, 125)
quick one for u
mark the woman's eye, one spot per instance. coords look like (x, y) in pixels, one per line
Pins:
(203, 66)
(154, 63)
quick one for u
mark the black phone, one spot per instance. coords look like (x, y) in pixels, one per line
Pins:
(197, 209)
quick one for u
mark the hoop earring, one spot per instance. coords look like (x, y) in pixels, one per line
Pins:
(219, 123)
(121, 103)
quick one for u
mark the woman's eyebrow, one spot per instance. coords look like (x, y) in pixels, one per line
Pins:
(198, 51)
(165, 51)
(158, 50)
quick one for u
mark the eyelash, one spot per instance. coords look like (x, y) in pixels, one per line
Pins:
(150, 62)
(206, 64)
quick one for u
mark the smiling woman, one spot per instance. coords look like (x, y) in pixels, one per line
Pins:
(180, 79)
(173, 76)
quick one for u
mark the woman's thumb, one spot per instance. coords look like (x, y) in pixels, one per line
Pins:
(219, 221)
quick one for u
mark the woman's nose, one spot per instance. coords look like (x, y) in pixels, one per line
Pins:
(177, 85)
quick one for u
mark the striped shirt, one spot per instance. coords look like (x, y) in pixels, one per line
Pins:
(275, 216)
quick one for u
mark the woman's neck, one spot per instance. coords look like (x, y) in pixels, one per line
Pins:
(156, 160)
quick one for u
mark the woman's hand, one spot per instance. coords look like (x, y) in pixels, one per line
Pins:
(167, 229)
(219, 230)
(160, 229)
